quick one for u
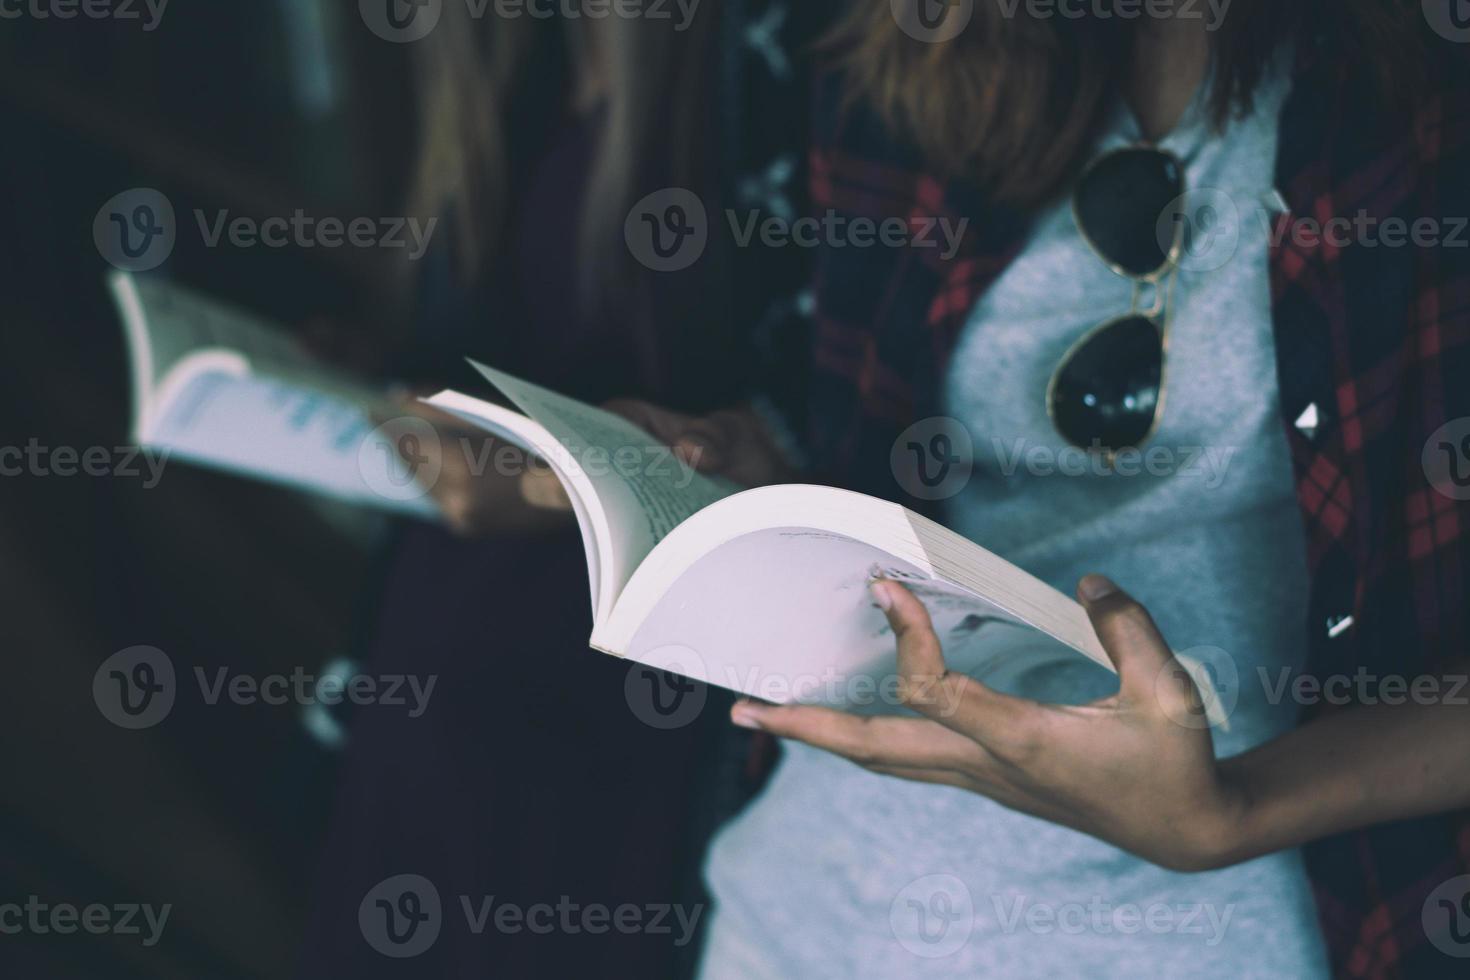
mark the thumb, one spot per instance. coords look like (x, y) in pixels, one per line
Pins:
(1128, 634)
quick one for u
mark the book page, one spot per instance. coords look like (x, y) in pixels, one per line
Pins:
(176, 322)
(642, 487)
(785, 615)
(273, 430)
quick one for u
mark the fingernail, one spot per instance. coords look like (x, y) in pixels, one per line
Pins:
(746, 715)
(881, 595)
(1095, 587)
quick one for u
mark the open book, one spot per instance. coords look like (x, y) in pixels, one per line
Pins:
(763, 591)
(219, 387)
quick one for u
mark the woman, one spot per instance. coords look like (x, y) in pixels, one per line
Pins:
(531, 777)
(1065, 822)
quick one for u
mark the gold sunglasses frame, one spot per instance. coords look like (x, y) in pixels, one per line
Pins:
(1160, 314)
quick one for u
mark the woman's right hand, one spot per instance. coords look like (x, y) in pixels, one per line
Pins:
(483, 486)
(735, 443)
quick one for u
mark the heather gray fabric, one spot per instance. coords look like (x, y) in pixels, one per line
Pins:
(836, 872)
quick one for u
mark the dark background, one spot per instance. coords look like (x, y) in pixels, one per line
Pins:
(260, 108)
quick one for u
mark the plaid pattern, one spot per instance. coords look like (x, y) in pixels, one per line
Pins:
(1375, 338)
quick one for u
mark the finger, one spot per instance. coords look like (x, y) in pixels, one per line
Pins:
(939, 777)
(706, 443)
(541, 488)
(956, 701)
(1128, 634)
(868, 741)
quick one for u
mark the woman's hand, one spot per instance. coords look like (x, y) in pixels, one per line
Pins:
(483, 486)
(1120, 769)
(734, 443)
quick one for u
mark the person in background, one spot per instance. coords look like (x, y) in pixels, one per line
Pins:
(537, 775)
(1097, 159)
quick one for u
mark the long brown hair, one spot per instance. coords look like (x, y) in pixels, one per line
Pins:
(1013, 100)
(470, 75)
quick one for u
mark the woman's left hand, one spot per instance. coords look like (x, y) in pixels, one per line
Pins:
(1121, 769)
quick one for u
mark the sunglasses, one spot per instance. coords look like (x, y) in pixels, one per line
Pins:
(1107, 394)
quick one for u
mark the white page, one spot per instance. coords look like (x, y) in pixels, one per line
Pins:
(643, 488)
(786, 615)
(276, 431)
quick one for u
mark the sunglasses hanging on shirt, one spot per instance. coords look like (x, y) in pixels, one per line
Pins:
(1107, 394)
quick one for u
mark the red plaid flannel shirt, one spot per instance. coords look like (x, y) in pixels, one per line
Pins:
(1378, 339)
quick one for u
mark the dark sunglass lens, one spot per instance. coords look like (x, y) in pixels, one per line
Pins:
(1105, 395)
(1121, 205)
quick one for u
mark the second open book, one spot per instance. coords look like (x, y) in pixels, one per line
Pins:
(763, 591)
